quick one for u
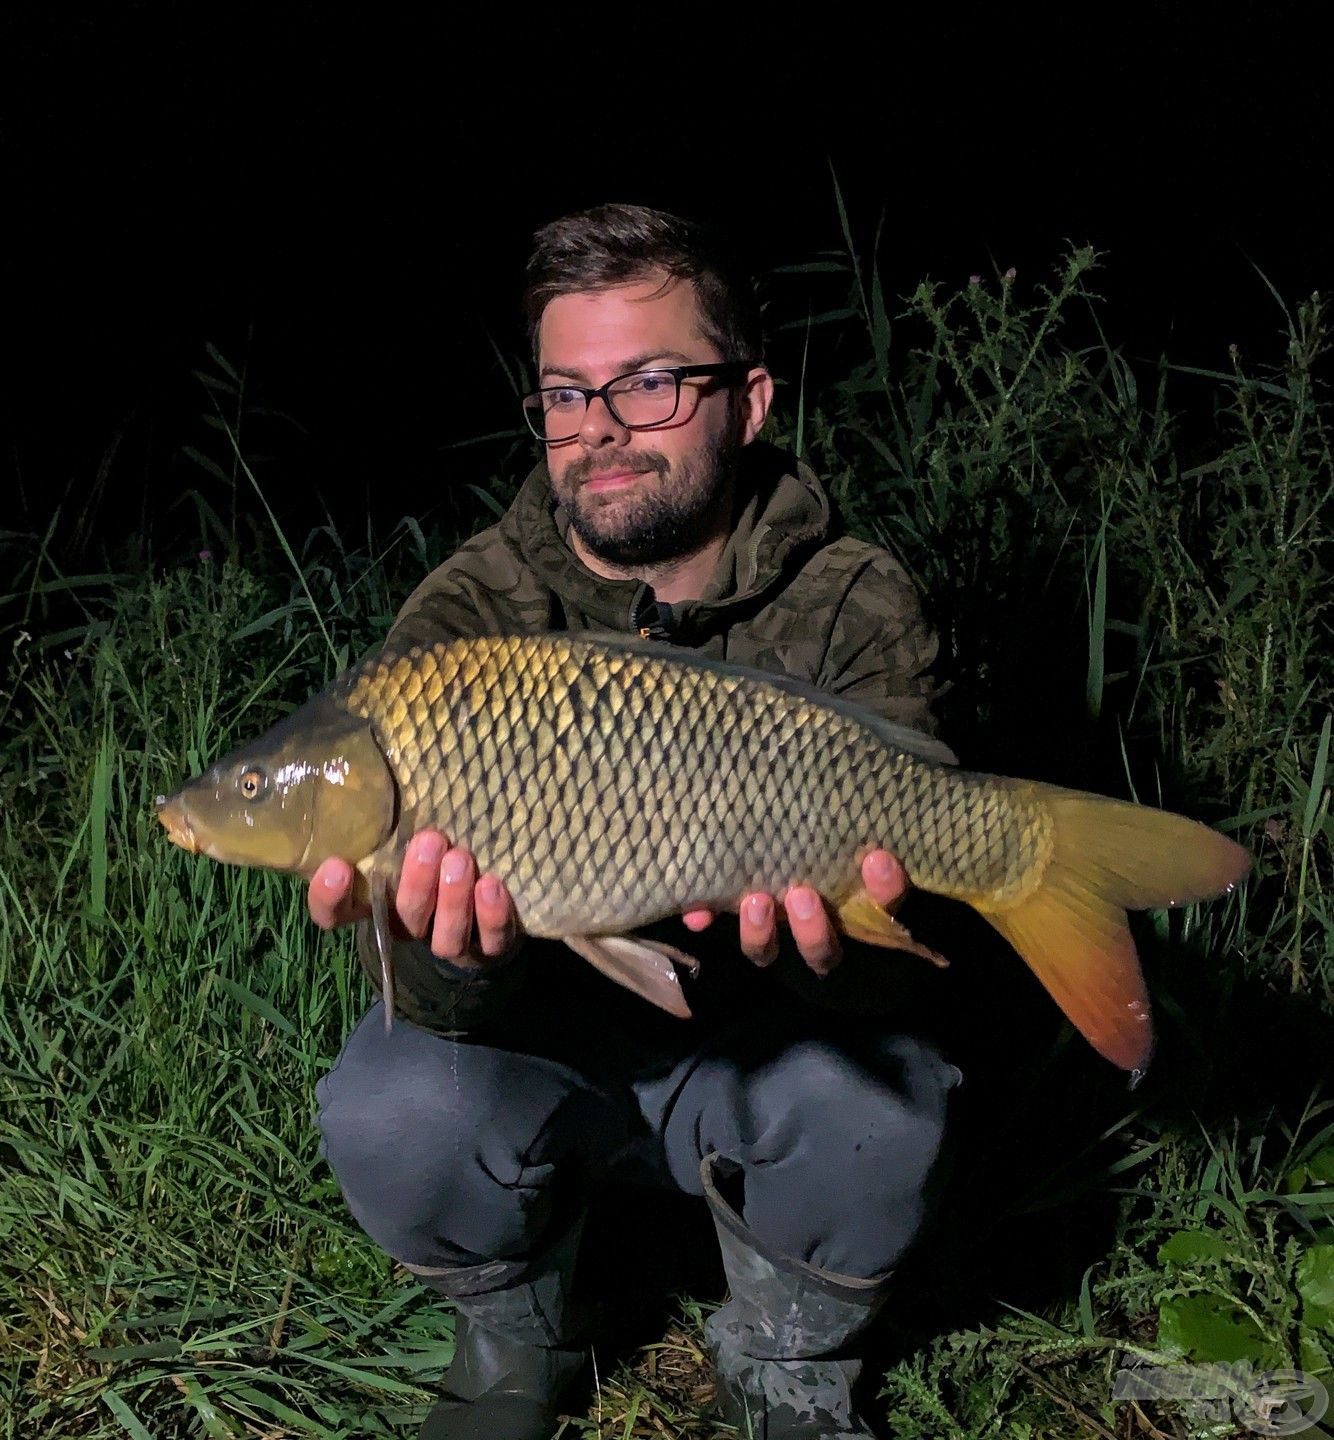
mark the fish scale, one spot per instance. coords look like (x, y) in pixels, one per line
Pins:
(638, 735)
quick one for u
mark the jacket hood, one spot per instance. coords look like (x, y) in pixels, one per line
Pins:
(780, 514)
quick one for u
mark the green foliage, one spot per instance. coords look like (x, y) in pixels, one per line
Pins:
(1036, 490)
(176, 1258)
(168, 1228)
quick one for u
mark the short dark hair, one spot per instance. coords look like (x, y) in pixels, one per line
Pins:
(618, 244)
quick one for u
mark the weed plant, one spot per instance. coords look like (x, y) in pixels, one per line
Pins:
(1131, 597)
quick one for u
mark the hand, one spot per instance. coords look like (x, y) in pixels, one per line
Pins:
(811, 926)
(435, 880)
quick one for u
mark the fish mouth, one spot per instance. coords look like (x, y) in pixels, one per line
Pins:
(179, 830)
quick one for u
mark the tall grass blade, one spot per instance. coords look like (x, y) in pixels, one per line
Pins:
(1315, 790)
(134, 1427)
(281, 536)
(99, 801)
(1097, 627)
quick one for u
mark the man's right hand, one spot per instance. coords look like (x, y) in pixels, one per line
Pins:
(436, 880)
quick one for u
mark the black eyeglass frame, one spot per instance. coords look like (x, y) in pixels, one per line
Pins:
(717, 369)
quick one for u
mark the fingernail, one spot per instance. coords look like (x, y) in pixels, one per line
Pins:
(430, 849)
(454, 868)
(333, 882)
(489, 890)
(879, 865)
(801, 903)
(758, 909)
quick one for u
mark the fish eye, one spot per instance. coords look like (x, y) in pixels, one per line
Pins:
(253, 783)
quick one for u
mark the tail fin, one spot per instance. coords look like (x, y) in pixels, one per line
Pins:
(1109, 857)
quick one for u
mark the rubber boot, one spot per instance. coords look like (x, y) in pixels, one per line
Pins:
(783, 1345)
(517, 1347)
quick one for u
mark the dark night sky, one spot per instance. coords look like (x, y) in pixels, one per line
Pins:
(348, 204)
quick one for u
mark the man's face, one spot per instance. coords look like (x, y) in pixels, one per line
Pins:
(639, 497)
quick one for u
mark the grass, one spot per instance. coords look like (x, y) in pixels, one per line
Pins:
(1154, 571)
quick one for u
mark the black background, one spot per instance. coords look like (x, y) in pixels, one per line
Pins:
(342, 203)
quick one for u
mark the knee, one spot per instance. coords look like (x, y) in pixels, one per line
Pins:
(432, 1162)
(383, 1112)
(873, 1130)
(846, 1113)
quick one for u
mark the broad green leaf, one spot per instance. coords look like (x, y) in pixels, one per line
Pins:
(1186, 1247)
(1203, 1327)
(1315, 1284)
(1295, 1180)
(1315, 1358)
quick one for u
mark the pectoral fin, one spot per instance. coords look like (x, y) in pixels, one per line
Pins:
(384, 945)
(860, 918)
(648, 967)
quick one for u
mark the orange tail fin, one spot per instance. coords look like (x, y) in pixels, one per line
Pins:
(1109, 857)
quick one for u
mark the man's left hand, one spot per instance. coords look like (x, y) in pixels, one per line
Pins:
(812, 929)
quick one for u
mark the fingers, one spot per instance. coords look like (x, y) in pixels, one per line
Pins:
(435, 879)
(697, 920)
(759, 928)
(329, 895)
(418, 882)
(885, 879)
(497, 923)
(886, 882)
(452, 933)
(811, 929)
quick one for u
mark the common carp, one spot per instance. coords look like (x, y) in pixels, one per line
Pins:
(610, 785)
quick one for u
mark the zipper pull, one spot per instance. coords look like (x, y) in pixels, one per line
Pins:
(655, 629)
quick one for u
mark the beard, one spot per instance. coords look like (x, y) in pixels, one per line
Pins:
(665, 518)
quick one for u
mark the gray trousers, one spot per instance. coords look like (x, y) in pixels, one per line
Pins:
(453, 1153)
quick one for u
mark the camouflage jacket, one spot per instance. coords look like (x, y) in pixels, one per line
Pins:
(790, 594)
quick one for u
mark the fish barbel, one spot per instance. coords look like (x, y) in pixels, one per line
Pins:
(610, 785)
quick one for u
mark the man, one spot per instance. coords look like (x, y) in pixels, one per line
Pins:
(467, 1141)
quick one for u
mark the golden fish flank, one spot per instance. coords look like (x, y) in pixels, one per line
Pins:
(613, 785)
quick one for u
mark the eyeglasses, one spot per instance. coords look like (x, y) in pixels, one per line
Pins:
(638, 401)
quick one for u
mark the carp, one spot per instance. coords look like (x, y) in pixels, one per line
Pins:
(610, 785)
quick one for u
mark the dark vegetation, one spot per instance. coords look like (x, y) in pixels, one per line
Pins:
(1130, 567)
